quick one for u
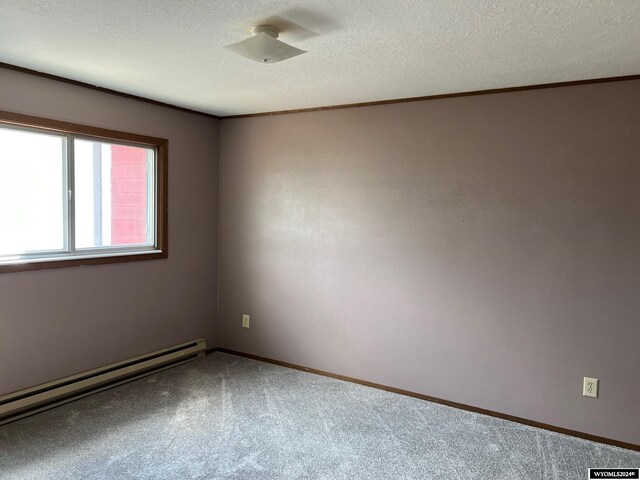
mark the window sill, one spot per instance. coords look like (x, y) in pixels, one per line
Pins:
(78, 260)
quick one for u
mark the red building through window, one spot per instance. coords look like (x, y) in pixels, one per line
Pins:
(128, 195)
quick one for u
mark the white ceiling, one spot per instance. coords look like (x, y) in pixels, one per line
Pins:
(359, 50)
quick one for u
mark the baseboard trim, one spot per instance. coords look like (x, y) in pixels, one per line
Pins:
(93, 391)
(428, 398)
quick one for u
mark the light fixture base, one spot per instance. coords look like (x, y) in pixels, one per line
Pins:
(268, 29)
(264, 46)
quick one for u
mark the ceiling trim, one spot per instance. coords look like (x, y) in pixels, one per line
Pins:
(571, 83)
(440, 96)
(8, 66)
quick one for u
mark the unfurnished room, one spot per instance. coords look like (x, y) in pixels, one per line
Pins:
(316, 239)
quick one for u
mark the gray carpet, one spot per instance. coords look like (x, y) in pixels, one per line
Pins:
(228, 417)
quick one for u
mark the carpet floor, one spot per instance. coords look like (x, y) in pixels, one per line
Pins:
(227, 417)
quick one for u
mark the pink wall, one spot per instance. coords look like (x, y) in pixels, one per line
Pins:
(58, 322)
(484, 250)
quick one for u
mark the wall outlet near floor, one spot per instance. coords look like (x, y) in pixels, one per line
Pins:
(590, 387)
(245, 321)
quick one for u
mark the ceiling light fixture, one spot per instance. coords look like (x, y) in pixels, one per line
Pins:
(264, 47)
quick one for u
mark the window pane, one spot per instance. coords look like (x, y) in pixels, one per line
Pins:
(32, 192)
(112, 187)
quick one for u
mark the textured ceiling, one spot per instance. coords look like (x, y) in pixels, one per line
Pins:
(359, 50)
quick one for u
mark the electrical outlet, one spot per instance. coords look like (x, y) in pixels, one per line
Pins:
(245, 321)
(590, 387)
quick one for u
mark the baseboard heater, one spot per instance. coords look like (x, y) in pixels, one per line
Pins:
(48, 395)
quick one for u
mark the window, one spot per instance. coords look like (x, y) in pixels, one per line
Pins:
(77, 195)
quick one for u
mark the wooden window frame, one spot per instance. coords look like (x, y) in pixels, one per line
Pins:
(161, 145)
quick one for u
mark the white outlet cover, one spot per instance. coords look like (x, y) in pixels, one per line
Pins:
(590, 387)
(245, 321)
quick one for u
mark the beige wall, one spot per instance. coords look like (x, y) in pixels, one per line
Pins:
(59, 322)
(484, 250)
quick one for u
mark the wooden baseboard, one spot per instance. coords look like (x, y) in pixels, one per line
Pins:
(462, 406)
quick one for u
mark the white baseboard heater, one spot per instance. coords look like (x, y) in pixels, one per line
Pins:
(42, 397)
